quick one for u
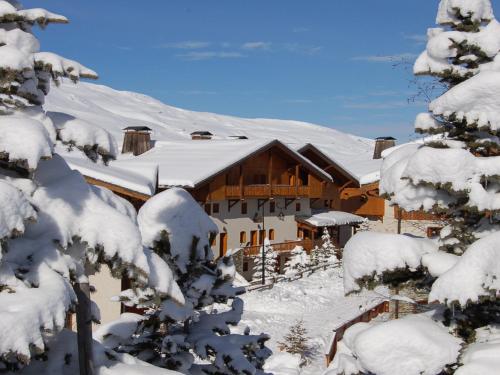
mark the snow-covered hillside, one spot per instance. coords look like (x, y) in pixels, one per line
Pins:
(114, 110)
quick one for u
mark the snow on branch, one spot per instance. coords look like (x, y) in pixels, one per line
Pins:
(370, 255)
(475, 277)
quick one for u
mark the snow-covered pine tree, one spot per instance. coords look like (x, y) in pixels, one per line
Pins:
(299, 261)
(270, 260)
(195, 338)
(457, 176)
(296, 341)
(327, 252)
(54, 227)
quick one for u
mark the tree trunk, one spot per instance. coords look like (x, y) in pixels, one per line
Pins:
(84, 329)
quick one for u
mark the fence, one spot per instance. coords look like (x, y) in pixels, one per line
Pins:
(256, 285)
(367, 316)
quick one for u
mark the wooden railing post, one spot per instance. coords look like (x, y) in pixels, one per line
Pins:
(84, 328)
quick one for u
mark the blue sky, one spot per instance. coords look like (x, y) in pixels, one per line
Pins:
(325, 61)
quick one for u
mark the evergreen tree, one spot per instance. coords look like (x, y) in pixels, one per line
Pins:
(326, 253)
(270, 260)
(455, 174)
(298, 262)
(176, 337)
(296, 341)
(55, 229)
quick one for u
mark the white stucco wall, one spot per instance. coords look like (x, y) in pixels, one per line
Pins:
(233, 222)
(106, 288)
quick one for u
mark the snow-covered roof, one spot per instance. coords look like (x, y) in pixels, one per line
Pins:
(191, 163)
(115, 110)
(332, 218)
(361, 166)
(130, 174)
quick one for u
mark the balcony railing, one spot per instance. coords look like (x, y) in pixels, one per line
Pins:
(284, 247)
(253, 191)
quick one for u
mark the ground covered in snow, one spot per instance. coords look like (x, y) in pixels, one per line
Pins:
(318, 300)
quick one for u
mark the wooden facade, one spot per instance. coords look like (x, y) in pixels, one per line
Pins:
(272, 173)
(136, 140)
(345, 192)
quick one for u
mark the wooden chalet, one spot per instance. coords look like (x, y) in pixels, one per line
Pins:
(352, 196)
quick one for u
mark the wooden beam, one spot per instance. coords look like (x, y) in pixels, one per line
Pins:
(117, 189)
(289, 201)
(241, 182)
(297, 169)
(261, 202)
(232, 203)
(270, 173)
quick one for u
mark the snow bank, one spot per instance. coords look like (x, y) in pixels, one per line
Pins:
(414, 345)
(476, 274)
(371, 253)
(283, 364)
(176, 213)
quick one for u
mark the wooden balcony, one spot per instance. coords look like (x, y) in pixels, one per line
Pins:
(266, 191)
(284, 247)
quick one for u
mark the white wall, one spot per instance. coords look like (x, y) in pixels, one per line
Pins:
(233, 222)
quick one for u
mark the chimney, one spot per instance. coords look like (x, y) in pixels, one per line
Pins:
(137, 140)
(201, 135)
(382, 144)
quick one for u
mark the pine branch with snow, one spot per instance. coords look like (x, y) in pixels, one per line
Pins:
(195, 337)
(454, 176)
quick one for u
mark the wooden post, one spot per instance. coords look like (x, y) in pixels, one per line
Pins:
(396, 311)
(270, 174)
(297, 180)
(84, 328)
(400, 214)
(241, 182)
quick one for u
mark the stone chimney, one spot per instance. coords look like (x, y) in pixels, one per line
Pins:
(201, 135)
(382, 144)
(137, 140)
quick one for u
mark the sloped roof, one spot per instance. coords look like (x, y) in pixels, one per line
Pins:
(361, 167)
(190, 164)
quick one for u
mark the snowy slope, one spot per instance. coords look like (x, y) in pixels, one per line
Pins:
(114, 110)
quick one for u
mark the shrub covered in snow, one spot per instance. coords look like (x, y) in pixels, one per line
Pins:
(299, 261)
(414, 345)
(178, 336)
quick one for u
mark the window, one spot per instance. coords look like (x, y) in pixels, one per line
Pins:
(213, 240)
(300, 233)
(297, 207)
(208, 207)
(215, 208)
(243, 237)
(244, 208)
(245, 267)
(271, 234)
(326, 204)
(272, 207)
